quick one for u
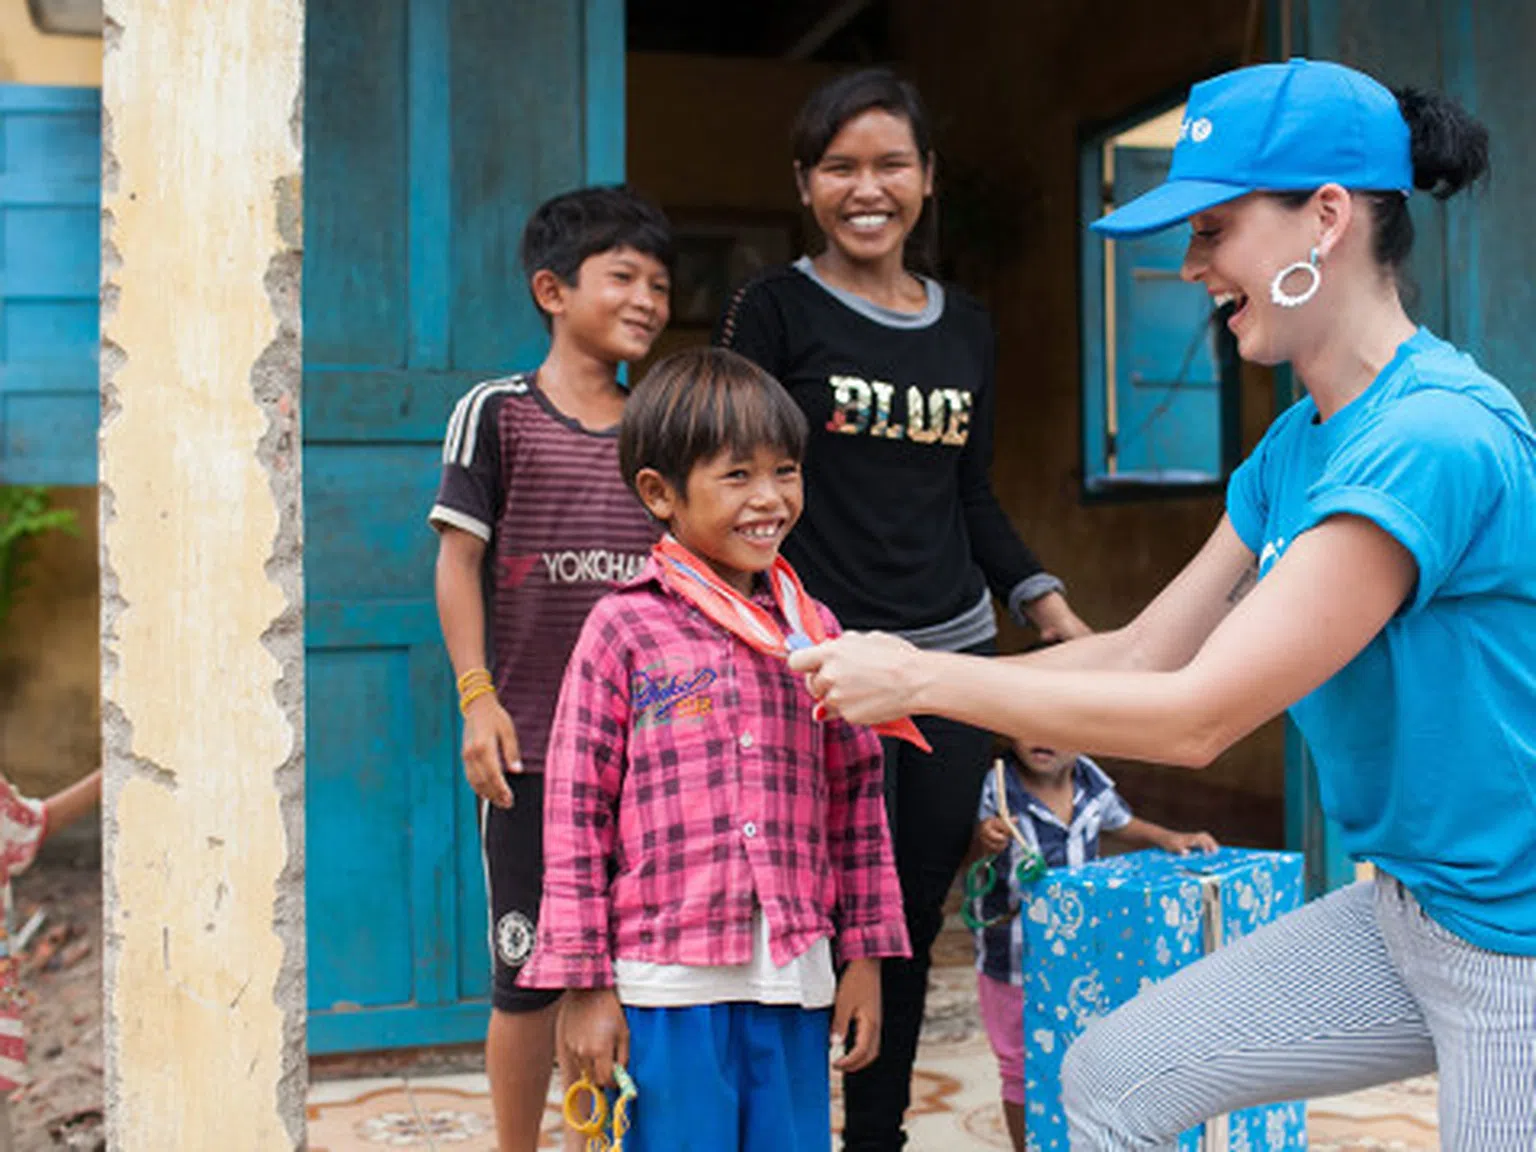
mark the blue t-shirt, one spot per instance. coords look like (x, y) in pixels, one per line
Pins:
(1425, 742)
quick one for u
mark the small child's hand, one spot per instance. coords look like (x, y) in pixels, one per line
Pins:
(992, 835)
(490, 749)
(1183, 843)
(857, 1007)
(595, 1033)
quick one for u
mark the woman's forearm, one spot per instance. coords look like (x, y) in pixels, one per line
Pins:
(1158, 716)
(1296, 630)
(1098, 650)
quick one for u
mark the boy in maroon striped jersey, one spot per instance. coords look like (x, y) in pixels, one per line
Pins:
(535, 524)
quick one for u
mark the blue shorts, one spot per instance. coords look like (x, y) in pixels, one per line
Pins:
(730, 1078)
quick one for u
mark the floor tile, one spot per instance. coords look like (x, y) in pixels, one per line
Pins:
(370, 1120)
(342, 1091)
(954, 1100)
(456, 1119)
(471, 1082)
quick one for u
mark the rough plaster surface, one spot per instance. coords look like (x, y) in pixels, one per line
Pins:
(202, 637)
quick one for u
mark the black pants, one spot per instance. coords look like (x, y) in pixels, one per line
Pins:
(931, 802)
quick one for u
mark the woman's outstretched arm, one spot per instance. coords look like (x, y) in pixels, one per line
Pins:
(1332, 592)
(1169, 631)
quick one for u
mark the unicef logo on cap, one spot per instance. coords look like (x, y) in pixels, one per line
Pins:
(1196, 130)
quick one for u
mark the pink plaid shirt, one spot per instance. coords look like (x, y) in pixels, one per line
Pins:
(686, 784)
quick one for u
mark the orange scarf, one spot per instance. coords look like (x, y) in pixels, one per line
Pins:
(695, 581)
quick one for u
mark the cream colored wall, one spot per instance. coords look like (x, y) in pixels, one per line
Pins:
(202, 688)
(1158, 132)
(27, 56)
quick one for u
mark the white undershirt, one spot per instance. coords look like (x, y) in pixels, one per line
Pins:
(807, 980)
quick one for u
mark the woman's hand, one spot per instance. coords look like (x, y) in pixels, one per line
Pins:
(864, 677)
(1055, 620)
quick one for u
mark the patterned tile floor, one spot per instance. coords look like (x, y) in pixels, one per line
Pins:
(954, 1099)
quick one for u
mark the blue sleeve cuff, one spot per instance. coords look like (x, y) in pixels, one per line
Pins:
(1030, 589)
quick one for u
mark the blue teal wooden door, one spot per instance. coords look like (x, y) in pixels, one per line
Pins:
(431, 131)
(50, 260)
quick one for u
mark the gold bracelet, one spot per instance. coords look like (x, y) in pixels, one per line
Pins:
(470, 695)
(474, 676)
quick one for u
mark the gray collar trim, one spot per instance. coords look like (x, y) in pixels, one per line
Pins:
(888, 317)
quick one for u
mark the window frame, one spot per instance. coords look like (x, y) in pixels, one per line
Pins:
(1096, 255)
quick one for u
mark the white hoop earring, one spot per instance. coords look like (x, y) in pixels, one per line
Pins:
(1280, 296)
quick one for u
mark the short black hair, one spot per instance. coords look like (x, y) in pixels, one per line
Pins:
(567, 229)
(699, 402)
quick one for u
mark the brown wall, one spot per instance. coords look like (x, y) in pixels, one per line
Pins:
(1009, 86)
(712, 134)
(50, 729)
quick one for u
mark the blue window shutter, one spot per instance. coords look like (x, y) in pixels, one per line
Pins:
(1168, 375)
(50, 259)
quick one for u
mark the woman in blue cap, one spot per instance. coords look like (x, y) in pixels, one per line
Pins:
(1375, 573)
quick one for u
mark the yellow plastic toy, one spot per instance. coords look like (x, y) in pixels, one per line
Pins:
(589, 1120)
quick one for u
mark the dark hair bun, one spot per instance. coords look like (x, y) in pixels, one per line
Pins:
(1449, 146)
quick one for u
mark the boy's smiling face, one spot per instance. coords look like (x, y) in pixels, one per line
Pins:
(735, 511)
(619, 304)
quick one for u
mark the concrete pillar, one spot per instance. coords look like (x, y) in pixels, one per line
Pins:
(202, 591)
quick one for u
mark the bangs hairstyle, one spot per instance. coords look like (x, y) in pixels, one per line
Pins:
(564, 231)
(699, 402)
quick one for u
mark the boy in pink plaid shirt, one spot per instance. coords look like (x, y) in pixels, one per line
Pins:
(708, 839)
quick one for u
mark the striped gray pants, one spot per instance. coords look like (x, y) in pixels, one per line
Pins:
(1358, 988)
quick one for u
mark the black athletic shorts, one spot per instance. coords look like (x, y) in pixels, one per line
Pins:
(512, 846)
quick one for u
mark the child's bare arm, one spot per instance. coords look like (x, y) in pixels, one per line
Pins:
(490, 740)
(1145, 834)
(69, 804)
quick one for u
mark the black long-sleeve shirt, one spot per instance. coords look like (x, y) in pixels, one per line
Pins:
(901, 531)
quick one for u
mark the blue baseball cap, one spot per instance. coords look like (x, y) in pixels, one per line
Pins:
(1275, 128)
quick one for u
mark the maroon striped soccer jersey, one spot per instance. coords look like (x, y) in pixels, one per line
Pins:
(562, 529)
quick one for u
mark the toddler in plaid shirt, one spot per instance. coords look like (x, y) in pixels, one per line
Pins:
(709, 841)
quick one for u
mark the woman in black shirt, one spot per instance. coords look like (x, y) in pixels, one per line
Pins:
(901, 530)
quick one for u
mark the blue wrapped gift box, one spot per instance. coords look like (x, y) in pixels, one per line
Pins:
(1095, 935)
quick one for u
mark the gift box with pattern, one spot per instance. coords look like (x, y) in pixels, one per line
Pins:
(1095, 935)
